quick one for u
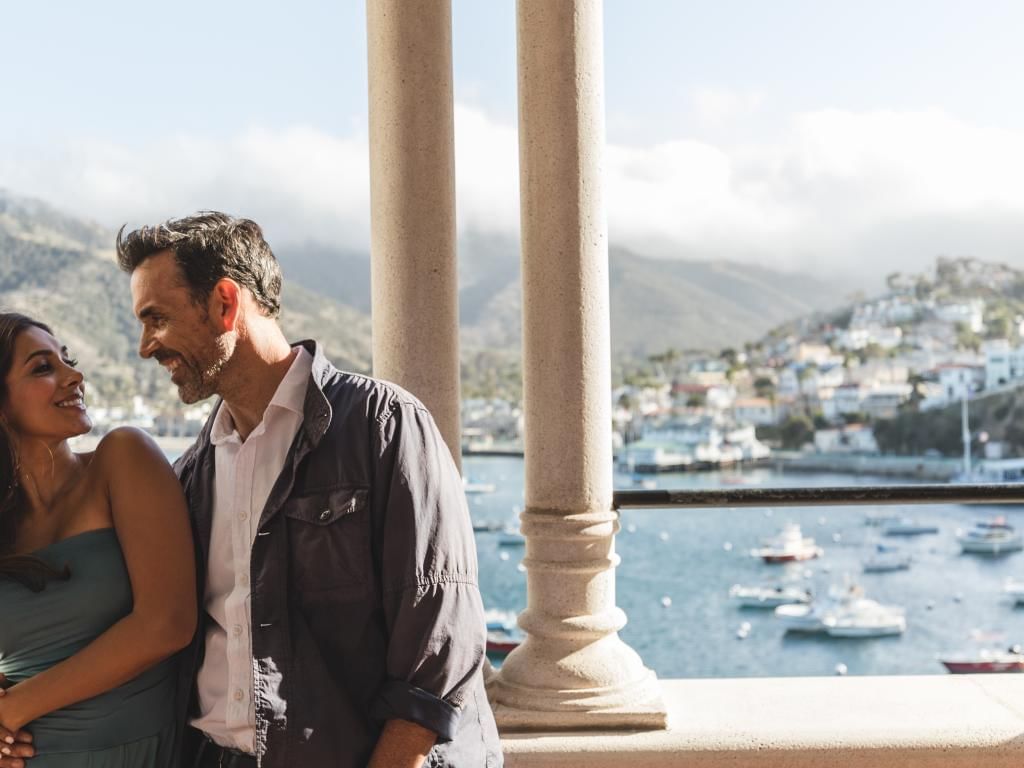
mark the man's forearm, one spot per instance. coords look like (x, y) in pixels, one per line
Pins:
(402, 745)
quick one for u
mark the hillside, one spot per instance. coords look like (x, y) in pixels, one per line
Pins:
(63, 272)
(655, 304)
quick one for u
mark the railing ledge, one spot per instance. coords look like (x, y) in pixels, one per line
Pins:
(948, 721)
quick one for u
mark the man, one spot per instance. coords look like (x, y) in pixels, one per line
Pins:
(343, 625)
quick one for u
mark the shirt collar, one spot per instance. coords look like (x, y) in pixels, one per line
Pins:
(289, 396)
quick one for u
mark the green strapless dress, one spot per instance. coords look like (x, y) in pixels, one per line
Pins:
(131, 726)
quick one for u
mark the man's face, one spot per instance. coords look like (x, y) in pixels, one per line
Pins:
(176, 331)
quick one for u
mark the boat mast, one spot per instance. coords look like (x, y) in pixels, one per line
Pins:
(965, 434)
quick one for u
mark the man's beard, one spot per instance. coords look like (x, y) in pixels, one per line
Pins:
(204, 380)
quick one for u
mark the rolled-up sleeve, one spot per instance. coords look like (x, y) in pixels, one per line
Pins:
(428, 568)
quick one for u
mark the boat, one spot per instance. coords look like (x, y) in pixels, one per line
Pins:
(469, 487)
(865, 618)
(511, 537)
(500, 621)
(877, 518)
(500, 643)
(789, 546)
(811, 617)
(886, 558)
(906, 526)
(845, 613)
(488, 526)
(985, 661)
(990, 537)
(768, 596)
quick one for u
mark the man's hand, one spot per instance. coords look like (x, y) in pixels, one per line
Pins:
(402, 745)
(14, 747)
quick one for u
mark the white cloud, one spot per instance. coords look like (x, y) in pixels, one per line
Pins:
(841, 191)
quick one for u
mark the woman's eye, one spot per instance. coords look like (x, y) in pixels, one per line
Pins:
(44, 368)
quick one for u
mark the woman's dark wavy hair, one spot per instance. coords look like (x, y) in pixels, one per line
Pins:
(27, 570)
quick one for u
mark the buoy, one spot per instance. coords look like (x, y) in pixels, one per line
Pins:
(666, 602)
(631, 528)
(521, 568)
(836, 537)
(929, 605)
(840, 669)
(727, 546)
(663, 535)
(822, 520)
(503, 555)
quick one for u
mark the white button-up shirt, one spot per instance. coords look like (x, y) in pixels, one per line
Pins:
(245, 473)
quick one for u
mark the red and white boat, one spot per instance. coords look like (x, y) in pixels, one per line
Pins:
(789, 546)
(985, 661)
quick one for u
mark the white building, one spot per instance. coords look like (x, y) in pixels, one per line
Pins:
(759, 411)
(1003, 363)
(884, 400)
(853, 438)
(969, 313)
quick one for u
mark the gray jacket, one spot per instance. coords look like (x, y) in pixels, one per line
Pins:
(365, 605)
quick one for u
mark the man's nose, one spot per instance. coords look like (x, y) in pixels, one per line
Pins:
(146, 345)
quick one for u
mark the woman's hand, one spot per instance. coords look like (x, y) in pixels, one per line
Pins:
(15, 744)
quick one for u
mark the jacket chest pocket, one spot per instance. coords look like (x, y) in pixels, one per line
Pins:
(329, 541)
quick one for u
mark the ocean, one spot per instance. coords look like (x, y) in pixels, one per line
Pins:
(953, 602)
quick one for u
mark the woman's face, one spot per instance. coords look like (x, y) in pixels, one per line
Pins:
(45, 394)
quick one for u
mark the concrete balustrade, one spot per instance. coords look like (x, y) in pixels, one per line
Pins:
(412, 197)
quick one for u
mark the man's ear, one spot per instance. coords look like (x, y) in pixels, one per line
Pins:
(225, 304)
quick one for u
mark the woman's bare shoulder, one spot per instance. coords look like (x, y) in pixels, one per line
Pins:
(127, 447)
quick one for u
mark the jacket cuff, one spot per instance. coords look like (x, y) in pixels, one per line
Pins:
(397, 700)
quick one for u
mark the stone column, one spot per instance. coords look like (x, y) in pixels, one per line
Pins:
(412, 199)
(572, 670)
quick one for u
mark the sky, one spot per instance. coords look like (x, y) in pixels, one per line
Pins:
(837, 138)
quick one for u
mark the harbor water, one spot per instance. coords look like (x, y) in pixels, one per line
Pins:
(953, 601)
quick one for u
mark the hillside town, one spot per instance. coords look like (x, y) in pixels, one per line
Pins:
(824, 384)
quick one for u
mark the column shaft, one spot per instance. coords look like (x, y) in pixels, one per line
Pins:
(412, 196)
(572, 670)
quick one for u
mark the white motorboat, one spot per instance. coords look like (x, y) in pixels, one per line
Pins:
(768, 596)
(811, 617)
(906, 526)
(990, 537)
(802, 618)
(844, 613)
(789, 546)
(886, 558)
(865, 618)
(469, 487)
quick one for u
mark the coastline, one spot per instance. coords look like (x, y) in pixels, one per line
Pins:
(941, 468)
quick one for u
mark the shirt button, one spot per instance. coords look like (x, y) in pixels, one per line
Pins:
(243, 516)
(236, 630)
(239, 694)
(244, 579)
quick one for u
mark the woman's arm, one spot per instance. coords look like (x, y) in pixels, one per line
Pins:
(151, 520)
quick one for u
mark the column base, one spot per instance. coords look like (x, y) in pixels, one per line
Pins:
(636, 706)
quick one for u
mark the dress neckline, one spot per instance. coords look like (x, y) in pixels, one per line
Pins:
(72, 537)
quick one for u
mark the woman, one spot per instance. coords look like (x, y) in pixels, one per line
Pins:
(97, 579)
